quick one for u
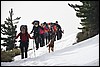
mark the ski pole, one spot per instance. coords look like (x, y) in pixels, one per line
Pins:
(34, 48)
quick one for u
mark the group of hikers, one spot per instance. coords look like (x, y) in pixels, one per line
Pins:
(42, 34)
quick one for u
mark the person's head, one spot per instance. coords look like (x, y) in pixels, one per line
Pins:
(35, 22)
(23, 29)
(41, 25)
(44, 23)
(56, 22)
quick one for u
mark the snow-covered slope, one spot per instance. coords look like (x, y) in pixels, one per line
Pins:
(85, 53)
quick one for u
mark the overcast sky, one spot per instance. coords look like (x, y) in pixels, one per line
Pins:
(44, 11)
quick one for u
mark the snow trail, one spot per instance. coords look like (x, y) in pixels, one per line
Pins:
(85, 53)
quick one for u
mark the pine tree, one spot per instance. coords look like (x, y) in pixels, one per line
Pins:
(89, 14)
(8, 29)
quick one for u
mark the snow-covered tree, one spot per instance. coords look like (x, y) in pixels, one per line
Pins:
(8, 29)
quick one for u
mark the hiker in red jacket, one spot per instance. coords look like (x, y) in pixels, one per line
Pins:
(46, 29)
(41, 34)
(24, 40)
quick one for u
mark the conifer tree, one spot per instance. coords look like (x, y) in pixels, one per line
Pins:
(89, 14)
(8, 29)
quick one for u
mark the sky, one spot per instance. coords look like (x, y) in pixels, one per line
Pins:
(85, 53)
(44, 11)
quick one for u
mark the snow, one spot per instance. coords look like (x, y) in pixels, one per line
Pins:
(85, 53)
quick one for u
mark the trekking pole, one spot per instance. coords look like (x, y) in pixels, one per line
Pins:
(34, 48)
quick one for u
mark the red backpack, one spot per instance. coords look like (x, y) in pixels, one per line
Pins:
(41, 31)
(55, 28)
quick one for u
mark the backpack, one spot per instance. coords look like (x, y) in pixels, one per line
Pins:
(55, 28)
(41, 31)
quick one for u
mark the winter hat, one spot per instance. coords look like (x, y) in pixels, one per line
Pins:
(44, 23)
(35, 21)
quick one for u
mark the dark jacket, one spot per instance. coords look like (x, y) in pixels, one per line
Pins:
(35, 31)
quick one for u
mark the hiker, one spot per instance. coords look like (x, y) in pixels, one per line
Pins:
(54, 30)
(50, 32)
(41, 32)
(24, 40)
(35, 32)
(58, 31)
(46, 29)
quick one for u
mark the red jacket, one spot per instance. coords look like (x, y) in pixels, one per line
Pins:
(55, 28)
(41, 31)
(46, 29)
(23, 37)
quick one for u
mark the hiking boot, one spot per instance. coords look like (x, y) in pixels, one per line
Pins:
(36, 48)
